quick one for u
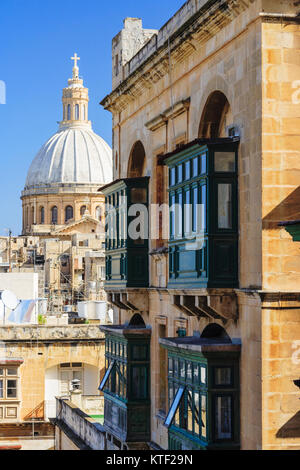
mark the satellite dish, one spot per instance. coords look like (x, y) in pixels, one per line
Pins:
(1, 308)
(9, 299)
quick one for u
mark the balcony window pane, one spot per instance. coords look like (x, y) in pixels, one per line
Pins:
(189, 373)
(172, 215)
(190, 411)
(196, 373)
(203, 416)
(187, 212)
(203, 202)
(195, 209)
(203, 375)
(223, 376)
(223, 417)
(1, 388)
(195, 163)
(172, 176)
(179, 174)
(187, 170)
(170, 367)
(12, 372)
(203, 163)
(224, 206)
(179, 208)
(176, 368)
(1, 372)
(139, 382)
(182, 370)
(224, 161)
(196, 413)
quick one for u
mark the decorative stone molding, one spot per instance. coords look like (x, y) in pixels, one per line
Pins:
(70, 333)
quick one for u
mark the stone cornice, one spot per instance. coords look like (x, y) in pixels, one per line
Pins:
(152, 62)
(50, 334)
(170, 113)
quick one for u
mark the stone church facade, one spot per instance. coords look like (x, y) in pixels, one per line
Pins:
(208, 108)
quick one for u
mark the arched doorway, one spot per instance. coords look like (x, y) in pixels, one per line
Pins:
(137, 161)
(216, 117)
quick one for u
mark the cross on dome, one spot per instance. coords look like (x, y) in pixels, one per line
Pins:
(75, 68)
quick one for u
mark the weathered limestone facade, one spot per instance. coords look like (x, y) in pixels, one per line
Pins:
(38, 352)
(247, 52)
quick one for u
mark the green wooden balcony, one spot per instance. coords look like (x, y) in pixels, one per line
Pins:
(203, 200)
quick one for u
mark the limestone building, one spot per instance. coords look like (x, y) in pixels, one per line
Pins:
(204, 352)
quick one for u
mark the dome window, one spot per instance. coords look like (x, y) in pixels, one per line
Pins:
(77, 112)
(69, 112)
(69, 213)
(54, 215)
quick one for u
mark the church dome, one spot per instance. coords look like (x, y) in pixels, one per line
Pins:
(75, 155)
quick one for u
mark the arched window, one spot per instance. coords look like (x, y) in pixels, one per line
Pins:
(54, 215)
(82, 210)
(68, 213)
(32, 216)
(137, 161)
(69, 112)
(77, 112)
(98, 213)
(42, 215)
(27, 217)
(216, 116)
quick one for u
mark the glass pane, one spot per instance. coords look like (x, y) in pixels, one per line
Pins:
(203, 416)
(182, 370)
(139, 382)
(196, 374)
(195, 209)
(176, 369)
(1, 372)
(223, 376)
(171, 395)
(179, 174)
(179, 208)
(225, 206)
(1, 388)
(203, 163)
(225, 161)
(195, 167)
(203, 375)
(187, 213)
(11, 389)
(190, 412)
(172, 215)
(174, 408)
(189, 373)
(223, 417)
(203, 202)
(172, 176)
(197, 413)
(187, 170)
(170, 372)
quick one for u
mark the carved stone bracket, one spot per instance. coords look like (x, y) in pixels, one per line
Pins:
(130, 301)
(216, 307)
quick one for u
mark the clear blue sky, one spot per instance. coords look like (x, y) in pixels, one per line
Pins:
(37, 39)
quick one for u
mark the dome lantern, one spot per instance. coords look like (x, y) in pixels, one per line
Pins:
(75, 100)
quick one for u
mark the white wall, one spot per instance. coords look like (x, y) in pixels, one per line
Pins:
(24, 285)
